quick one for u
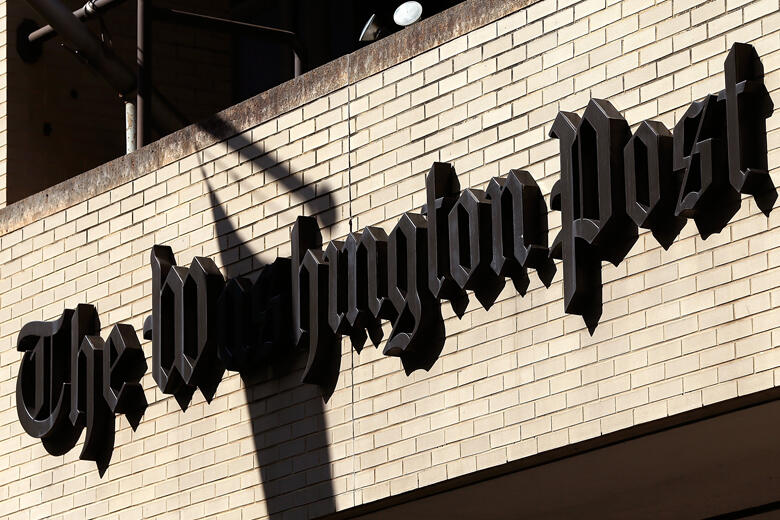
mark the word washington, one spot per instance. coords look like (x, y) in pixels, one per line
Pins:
(611, 183)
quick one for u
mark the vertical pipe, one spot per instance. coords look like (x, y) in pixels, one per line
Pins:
(297, 68)
(296, 63)
(130, 127)
(142, 78)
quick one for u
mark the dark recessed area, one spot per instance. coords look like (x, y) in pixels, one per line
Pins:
(196, 65)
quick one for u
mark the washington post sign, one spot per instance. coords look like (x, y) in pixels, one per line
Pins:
(612, 183)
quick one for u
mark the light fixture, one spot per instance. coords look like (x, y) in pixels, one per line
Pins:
(371, 30)
(378, 26)
(407, 13)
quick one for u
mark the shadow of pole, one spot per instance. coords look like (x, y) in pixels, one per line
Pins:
(287, 417)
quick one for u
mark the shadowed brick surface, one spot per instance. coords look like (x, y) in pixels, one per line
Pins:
(681, 329)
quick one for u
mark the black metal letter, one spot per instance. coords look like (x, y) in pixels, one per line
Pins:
(338, 274)
(442, 190)
(748, 106)
(184, 327)
(198, 359)
(124, 364)
(310, 307)
(519, 217)
(271, 310)
(236, 349)
(471, 238)
(44, 389)
(591, 197)
(69, 380)
(418, 332)
(254, 320)
(90, 408)
(700, 155)
(364, 263)
(651, 186)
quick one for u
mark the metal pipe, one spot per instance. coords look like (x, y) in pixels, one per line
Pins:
(130, 127)
(90, 10)
(217, 24)
(84, 43)
(214, 23)
(297, 62)
(142, 72)
(103, 59)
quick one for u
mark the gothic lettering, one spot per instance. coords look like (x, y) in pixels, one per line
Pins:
(184, 326)
(310, 307)
(442, 189)
(651, 187)
(519, 219)
(367, 285)
(70, 379)
(748, 106)
(592, 191)
(471, 238)
(418, 331)
(610, 182)
(700, 158)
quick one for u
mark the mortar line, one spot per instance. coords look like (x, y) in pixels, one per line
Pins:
(351, 350)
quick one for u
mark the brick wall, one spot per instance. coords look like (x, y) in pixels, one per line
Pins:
(681, 329)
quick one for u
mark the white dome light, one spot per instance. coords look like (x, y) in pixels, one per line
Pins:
(407, 13)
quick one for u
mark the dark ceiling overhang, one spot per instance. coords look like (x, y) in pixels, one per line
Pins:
(719, 461)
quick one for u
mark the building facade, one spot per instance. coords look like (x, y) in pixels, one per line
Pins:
(512, 413)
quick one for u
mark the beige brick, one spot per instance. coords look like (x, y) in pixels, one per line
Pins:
(719, 392)
(680, 329)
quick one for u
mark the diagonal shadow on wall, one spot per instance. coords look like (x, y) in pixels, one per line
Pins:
(287, 417)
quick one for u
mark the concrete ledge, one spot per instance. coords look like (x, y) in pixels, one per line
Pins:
(385, 53)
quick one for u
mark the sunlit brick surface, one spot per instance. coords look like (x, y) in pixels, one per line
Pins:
(681, 329)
